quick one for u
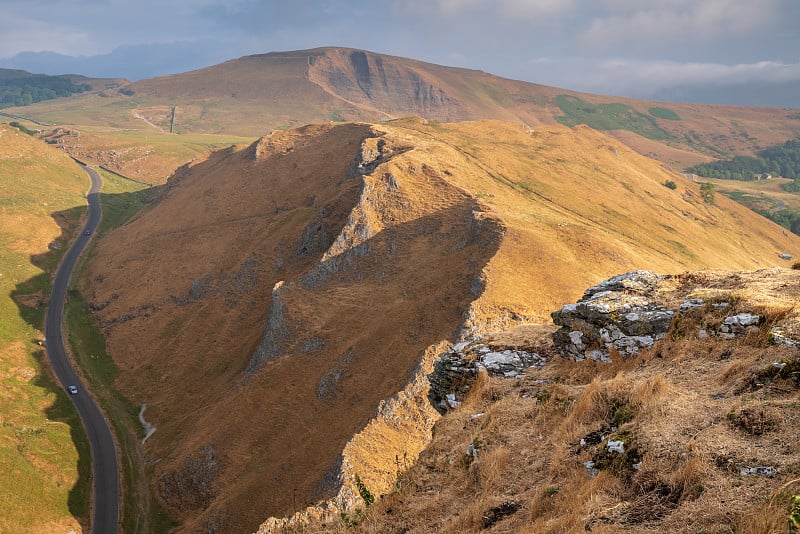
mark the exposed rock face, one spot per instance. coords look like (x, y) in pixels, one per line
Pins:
(275, 333)
(456, 369)
(619, 314)
(629, 312)
(191, 487)
(392, 86)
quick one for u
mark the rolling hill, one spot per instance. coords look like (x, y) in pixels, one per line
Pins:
(252, 95)
(278, 299)
(21, 88)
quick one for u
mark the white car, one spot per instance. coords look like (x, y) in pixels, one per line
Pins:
(73, 390)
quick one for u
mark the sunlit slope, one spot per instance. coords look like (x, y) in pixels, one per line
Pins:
(41, 202)
(148, 156)
(273, 296)
(255, 94)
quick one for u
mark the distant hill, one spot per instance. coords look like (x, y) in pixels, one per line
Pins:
(274, 297)
(255, 94)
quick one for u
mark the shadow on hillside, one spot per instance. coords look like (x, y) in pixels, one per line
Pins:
(387, 299)
(31, 298)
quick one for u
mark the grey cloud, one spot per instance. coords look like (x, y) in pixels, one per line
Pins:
(496, 36)
(672, 80)
(258, 15)
(679, 23)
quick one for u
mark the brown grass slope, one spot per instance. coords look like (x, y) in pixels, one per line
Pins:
(249, 95)
(275, 295)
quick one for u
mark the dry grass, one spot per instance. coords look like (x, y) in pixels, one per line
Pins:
(696, 418)
(442, 229)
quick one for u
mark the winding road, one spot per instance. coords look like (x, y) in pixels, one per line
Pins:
(105, 469)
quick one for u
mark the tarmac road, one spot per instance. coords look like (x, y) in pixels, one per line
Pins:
(105, 468)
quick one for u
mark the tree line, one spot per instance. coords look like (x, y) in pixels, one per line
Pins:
(26, 90)
(780, 160)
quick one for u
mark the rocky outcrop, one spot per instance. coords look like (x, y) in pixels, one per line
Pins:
(191, 487)
(383, 84)
(618, 315)
(456, 370)
(364, 219)
(630, 312)
(275, 335)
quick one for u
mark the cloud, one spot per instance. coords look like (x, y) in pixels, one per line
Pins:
(676, 22)
(22, 34)
(647, 78)
(489, 11)
(699, 37)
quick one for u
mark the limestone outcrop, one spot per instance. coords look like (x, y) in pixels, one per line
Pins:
(631, 311)
(456, 370)
(620, 315)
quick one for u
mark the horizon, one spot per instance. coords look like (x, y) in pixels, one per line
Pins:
(709, 51)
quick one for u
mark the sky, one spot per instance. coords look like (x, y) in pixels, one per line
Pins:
(690, 50)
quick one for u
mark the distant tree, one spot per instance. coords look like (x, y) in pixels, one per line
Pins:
(780, 160)
(31, 88)
(707, 192)
(670, 184)
(21, 127)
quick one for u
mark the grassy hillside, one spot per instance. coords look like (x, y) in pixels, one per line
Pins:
(44, 464)
(147, 156)
(304, 279)
(255, 94)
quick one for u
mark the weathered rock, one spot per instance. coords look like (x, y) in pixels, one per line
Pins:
(509, 363)
(451, 376)
(191, 486)
(455, 370)
(618, 314)
(625, 314)
(276, 334)
(779, 336)
(764, 471)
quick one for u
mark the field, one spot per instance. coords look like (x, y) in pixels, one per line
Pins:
(770, 190)
(613, 116)
(146, 155)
